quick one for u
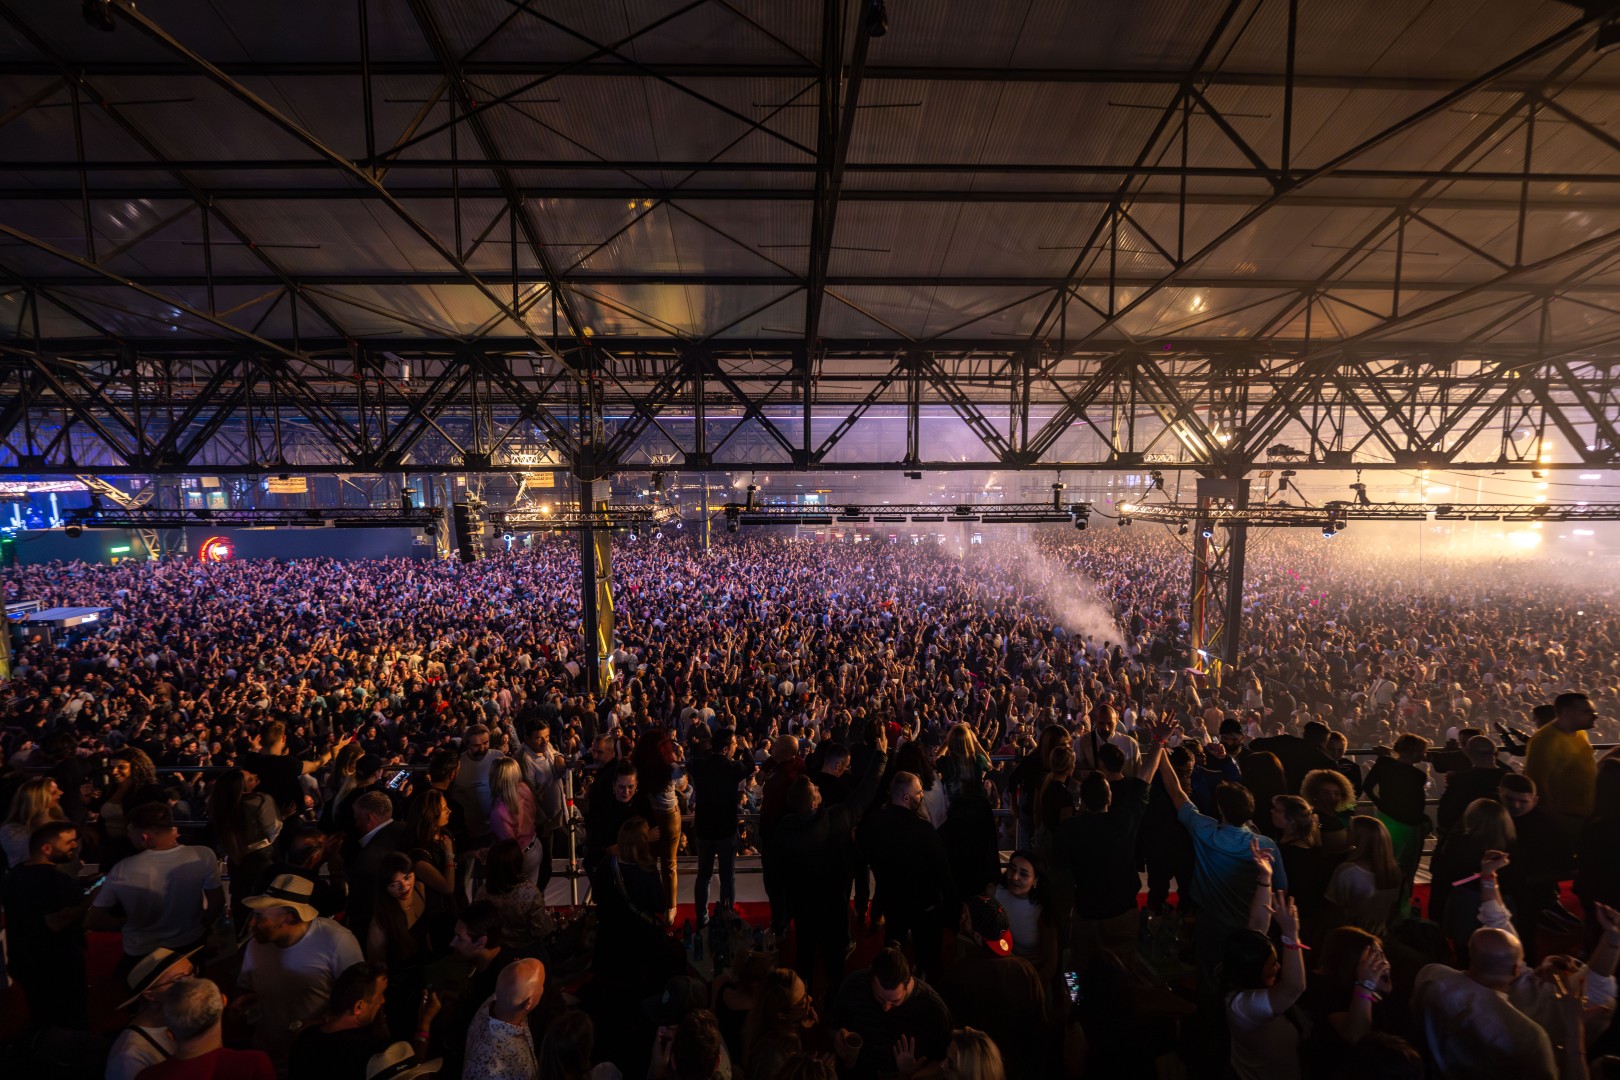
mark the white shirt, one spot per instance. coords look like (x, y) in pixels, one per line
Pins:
(1472, 1031)
(132, 1051)
(293, 984)
(161, 893)
(497, 1050)
(1265, 1045)
(1024, 919)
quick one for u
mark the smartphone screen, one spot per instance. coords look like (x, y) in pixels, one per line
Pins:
(1071, 980)
(398, 778)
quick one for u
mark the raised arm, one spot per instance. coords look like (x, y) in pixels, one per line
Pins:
(1172, 787)
(1291, 982)
(1260, 911)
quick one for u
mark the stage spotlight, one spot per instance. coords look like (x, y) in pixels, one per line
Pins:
(1361, 494)
(1122, 522)
(1184, 530)
(1081, 522)
(1206, 530)
(1328, 530)
(74, 531)
(1158, 479)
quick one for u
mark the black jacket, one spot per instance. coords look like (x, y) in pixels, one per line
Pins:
(807, 859)
(715, 780)
(907, 859)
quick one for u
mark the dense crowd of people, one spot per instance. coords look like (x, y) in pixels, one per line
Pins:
(320, 805)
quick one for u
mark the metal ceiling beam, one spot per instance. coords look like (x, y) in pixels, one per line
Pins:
(169, 70)
(1576, 30)
(321, 349)
(189, 190)
(919, 280)
(332, 159)
(851, 466)
(836, 126)
(318, 193)
(1289, 178)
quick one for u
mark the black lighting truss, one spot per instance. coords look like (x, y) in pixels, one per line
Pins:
(569, 518)
(131, 348)
(896, 513)
(313, 517)
(1335, 514)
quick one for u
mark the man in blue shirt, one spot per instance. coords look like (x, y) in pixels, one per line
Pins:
(1223, 850)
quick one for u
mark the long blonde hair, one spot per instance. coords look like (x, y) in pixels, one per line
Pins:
(1371, 847)
(504, 781)
(973, 1056)
(960, 742)
(33, 805)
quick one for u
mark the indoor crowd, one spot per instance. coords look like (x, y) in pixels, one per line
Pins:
(302, 819)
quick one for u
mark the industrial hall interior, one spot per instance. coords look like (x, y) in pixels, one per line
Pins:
(810, 539)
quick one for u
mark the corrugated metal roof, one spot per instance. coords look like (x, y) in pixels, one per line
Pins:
(960, 154)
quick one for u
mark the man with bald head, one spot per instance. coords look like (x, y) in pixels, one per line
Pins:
(499, 1043)
(1471, 1028)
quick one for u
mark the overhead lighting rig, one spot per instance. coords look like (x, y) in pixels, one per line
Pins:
(1077, 514)
(312, 517)
(569, 518)
(1335, 516)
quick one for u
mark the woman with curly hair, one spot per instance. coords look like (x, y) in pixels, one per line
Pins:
(132, 782)
(1330, 795)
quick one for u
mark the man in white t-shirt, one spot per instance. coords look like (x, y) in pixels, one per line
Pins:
(291, 962)
(162, 889)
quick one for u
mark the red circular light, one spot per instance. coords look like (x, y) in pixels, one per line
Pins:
(216, 549)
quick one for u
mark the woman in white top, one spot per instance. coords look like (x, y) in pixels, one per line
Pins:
(1261, 987)
(1366, 887)
(1022, 896)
